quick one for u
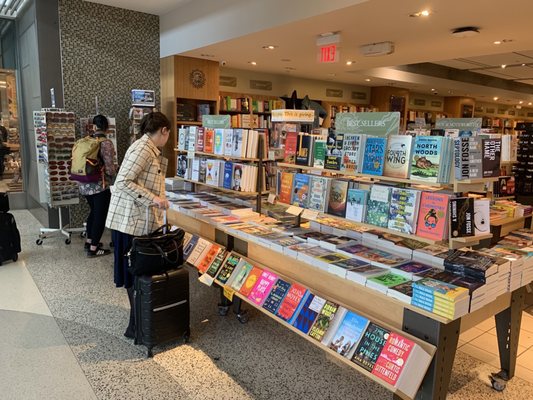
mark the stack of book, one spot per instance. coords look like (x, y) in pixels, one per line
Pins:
(441, 298)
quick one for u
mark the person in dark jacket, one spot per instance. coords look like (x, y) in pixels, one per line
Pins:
(4, 150)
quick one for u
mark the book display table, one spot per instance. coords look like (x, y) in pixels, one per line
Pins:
(435, 334)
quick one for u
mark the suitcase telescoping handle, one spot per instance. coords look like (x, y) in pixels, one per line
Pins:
(148, 217)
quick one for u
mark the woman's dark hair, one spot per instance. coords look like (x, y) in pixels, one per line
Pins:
(154, 121)
(101, 122)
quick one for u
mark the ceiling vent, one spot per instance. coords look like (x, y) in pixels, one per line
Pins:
(377, 49)
(465, 31)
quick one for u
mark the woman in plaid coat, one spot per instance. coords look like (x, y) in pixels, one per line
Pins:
(140, 183)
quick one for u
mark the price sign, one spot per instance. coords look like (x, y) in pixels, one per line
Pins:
(294, 210)
(310, 215)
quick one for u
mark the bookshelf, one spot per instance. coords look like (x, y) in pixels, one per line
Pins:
(248, 110)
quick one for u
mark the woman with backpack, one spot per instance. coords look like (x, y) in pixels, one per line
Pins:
(97, 193)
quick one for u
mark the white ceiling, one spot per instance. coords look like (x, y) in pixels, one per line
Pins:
(416, 40)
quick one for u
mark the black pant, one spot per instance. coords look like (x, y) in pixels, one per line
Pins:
(99, 204)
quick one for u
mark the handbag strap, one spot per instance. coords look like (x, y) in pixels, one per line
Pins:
(164, 255)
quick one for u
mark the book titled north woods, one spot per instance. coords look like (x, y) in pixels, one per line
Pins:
(426, 158)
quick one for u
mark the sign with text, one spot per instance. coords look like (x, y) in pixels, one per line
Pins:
(216, 121)
(293, 115)
(370, 123)
(463, 124)
(328, 53)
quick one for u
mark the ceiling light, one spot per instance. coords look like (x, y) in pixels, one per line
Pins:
(349, 62)
(523, 64)
(503, 65)
(269, 47)
(465, 31)
(497, 42)
(520, 102)
(529, 103)
(495, 98)
(252, 62)
(367, 80)
(423, 13)
(432, 89)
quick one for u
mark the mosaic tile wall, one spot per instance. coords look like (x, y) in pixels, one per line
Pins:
(106, 52)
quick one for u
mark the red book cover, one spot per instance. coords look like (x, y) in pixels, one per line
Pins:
(291, 147)
(291, 301)
(208, 259)
(250, 282)
(209, 140)
(432, 215)
(285, 191)
(392, 358)
(200, 139)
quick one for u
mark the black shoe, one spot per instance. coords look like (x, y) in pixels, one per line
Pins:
(98, 252)
(87, 245)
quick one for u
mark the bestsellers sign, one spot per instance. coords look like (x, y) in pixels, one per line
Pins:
(370, 123)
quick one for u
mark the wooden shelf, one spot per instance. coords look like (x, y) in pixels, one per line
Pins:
(504, 197)
(506, 221)
(201, 153)
(222, 188)
(456, 243)
(189, 123)
(233, 112)
(368, 176)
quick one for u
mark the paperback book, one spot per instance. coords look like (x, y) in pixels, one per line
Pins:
(304, 153)
(323, 320)
(318, 193)
(337, 197)
(348, 334)
(426, 158)
(262, 287)
(276, 295)
(285, 192)
(250, 281)
(356, 204)
(462, 217)
(383, 282)
(374, 157)
(377, 212)
(291, 301)
(319, 153)
(404, 210)
(370, 346)
(300, 194)
(393, 358)
(308, 313)
(352, 152)
(433, 216)
(398, 156)
(227, 269)
(334, 151)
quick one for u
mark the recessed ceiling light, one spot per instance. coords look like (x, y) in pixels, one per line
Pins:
(432, 89)
(495, 98)
(252, 62)
(520, 102)
(423, 13)
(523, 64)
(497, 42)
(503, 65)
(269, 47)
(349, 62)
(529, 103)
(367, 80)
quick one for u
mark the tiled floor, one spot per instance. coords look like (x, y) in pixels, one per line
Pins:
(481, 343)
(61, 308)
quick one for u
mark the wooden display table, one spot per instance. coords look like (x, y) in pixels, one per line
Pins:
(435, 330)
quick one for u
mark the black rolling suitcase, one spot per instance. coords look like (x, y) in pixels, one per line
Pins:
(9, 234)
(161, 307)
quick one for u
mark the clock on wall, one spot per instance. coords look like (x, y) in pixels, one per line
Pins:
(197, 78)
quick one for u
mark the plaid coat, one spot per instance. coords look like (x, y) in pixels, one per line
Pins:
(140, 179)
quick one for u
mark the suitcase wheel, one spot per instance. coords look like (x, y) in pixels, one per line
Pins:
(67, 241)
(15, 257)
(39, 242)
(223, 310)
(243, 317)
(187, 336)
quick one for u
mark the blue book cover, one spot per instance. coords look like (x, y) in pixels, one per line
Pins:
(302, 303)
(228, 172)
(276, 295)
(300, 190)
(348, 334)
(374, 155)
(189, 247)
(307, 315)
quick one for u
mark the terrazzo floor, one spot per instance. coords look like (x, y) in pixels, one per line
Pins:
(224, 359)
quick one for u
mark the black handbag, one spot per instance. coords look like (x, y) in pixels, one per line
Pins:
(157, 252)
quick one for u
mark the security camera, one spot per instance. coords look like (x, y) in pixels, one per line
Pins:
(223, 63)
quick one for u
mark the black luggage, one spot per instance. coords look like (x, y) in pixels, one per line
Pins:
(9, 238)
(161, 308)
(4, 202)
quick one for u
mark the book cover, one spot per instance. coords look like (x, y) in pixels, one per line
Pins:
(291, 301)
(492, 149)
(374, 156)
(410, 268)
(398, 156)
(308, 313)
(393, 357)
(402, 292)
(285, 192)
(337, 197)
(351, 153)
(291, 147)
(300, 193)
(216, 264)
(426, 158)
(262, 287)
(319, 153)
(181, 169)
(461, 217)
(348, 334)
(209, 140)
(304, 149)
(356, 204)
(433, 215)
(250, 281)
(385, 281)
(200, 133)
(377, 209)
(189, 246)
(206, 261)
(241, 275)
(236, 179)
(276, 295)
(228, 142)
(481, 216)
(318, 193)
(237, 142)
(195, 169)
(228, 174)
(202, 170)
(403, 211)
(323, 320)
(334, 151)
(370, 346)
(228, 267)
(440, 289)
(211, 173)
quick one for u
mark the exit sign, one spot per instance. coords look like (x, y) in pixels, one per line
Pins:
(328, 54)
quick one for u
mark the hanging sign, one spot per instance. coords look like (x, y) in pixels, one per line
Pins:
(462, 124)
(293, 115)
(370, 123)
